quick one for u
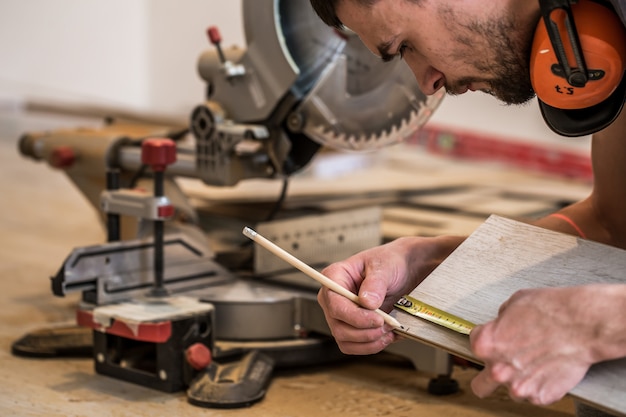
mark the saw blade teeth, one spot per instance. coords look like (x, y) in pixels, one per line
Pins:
(394, 131)
(384, 136)
(405, 123)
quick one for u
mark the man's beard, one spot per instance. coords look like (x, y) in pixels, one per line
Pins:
(508, 64)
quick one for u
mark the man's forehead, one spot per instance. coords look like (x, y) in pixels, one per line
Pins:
(374, 26)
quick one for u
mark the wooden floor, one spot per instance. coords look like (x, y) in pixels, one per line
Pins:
(43, 217)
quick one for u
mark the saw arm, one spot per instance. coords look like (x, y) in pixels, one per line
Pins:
(298, 82)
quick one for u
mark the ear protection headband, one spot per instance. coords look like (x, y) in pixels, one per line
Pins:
(577, 66)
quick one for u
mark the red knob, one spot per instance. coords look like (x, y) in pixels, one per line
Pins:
(198, 356)
(214, 35)
(158, 153)
(62, 157)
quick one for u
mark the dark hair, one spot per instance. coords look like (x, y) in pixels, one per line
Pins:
(326, 10)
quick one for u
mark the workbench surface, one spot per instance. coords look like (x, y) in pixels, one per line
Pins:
(44, 217)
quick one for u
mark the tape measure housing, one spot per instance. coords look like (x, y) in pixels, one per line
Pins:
(434, 315)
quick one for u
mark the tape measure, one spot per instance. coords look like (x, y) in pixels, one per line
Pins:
(434, 315)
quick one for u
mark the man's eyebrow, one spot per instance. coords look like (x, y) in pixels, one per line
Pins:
(383, 51)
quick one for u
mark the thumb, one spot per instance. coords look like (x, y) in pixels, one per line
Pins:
(372, 292)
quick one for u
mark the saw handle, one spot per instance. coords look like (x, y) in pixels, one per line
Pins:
(215, 37)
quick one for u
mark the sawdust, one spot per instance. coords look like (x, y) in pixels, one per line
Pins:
(387, 386)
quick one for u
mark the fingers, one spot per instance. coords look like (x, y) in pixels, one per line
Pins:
(357, 330)
(540, 379)
(375, 285)
(535, 359)
(366, 342)
(483, 384)
(339, 308)
(537, 388)
(548, 381)
(496, 372)
(480, 342)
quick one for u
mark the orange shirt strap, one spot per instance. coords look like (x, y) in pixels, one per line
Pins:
(571, 223)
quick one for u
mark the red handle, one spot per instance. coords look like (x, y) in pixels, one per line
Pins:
(158, 153)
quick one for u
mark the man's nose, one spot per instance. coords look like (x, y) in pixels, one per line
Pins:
(429, 79)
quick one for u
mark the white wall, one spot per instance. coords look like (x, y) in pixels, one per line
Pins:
(131, 53)
(142, 54)
(480, 112)
(177, 36)
(79, 50)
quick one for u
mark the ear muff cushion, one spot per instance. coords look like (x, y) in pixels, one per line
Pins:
(580, 122)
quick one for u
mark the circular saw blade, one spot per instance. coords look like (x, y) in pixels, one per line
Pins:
(311, 44)
(348, 98)
(361, 102)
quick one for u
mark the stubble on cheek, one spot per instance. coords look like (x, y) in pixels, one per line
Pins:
(491, 56)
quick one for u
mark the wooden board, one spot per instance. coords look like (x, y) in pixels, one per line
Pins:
(401, 221)
(484, 201)
(331, 176)
(501, 257)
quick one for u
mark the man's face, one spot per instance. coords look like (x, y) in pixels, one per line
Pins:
(460, 45)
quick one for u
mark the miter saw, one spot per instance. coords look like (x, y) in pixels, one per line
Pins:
(164, 312)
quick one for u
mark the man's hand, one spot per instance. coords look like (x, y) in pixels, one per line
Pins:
(379, 276)
(544, 340)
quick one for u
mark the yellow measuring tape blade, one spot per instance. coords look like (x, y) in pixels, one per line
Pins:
(419, 309)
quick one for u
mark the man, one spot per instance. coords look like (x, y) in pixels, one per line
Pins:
(485, 46)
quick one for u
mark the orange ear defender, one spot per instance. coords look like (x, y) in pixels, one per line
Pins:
(577, 66)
